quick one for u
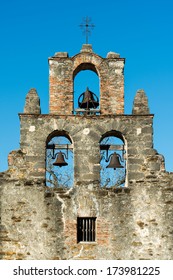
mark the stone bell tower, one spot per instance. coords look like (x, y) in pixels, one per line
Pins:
(86, 182)
(63, 70)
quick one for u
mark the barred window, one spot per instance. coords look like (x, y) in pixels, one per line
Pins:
(86, 229)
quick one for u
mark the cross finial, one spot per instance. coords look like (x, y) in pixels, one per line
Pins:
(86, 25)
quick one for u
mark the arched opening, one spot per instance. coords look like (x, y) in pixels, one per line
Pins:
(113, 160)
(86, 78)
(59, 160)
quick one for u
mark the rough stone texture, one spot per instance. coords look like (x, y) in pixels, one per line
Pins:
(110, 70)
(87, 48)
(32, 102)
(134, 222)
(140, 105)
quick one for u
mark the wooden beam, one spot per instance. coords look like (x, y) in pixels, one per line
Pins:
(112, 147)
(60, 146)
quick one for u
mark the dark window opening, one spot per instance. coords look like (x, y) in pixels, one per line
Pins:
(86, 229)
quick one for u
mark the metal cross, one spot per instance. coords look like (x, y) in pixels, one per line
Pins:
(86, 25)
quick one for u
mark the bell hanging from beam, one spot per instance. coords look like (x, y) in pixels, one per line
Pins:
(114, 161)
(60, 160)
(90, 100)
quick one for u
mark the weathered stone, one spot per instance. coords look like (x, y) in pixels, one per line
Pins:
(140, 105)
(136, 176)
(64, 69)
(61, 54)
(32, 103)
(113, 55)
(40, 222)
(86, 48)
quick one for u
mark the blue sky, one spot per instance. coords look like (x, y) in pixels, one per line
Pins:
(141, 31)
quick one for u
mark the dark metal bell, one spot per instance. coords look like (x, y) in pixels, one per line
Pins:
(60, 160)
(114, 162)
(90, 100)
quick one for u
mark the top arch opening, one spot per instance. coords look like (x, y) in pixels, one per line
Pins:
(85, 66)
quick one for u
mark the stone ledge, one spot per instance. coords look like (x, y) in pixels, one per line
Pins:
(113, 55)
(61, 54)
(86, 48)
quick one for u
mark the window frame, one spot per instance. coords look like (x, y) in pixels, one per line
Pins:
(86, 229)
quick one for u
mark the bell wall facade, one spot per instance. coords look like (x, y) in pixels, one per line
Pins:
(133, 221)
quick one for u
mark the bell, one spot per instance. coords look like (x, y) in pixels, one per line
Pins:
(90, 100)
(114, 162)
(60, 160)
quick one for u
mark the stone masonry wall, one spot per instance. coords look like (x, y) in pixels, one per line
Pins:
(86, 133)
(62, 71)
(134, 222)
